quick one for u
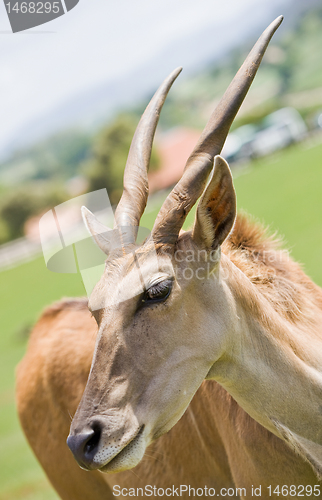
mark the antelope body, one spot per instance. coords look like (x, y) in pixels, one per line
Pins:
(206, 366)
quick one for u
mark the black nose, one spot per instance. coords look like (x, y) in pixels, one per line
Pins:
(84, 446)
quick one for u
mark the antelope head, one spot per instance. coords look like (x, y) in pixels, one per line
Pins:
(162, 308)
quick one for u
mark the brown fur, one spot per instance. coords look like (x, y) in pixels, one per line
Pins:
(216, 443)
(74, 304)
(281, 280)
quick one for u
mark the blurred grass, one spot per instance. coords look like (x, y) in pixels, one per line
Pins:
(283, 191)
(24, 291)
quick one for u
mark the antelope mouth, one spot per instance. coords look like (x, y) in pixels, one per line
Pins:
(128, 456)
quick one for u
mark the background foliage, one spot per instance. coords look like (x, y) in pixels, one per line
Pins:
(282, 190)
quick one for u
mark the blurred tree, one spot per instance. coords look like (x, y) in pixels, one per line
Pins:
(4, 232)
(59, 156)
(288, 67)
(56, 157)
(110, 149)
(18, 205)
(15, 209)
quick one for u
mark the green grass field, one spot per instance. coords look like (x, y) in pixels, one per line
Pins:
(284, 191)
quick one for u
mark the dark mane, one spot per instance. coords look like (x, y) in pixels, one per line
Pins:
(252, 237)
(260, 256)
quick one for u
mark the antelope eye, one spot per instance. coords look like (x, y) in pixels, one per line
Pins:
(158, 292)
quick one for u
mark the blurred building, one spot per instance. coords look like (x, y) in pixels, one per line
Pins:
(174, 148)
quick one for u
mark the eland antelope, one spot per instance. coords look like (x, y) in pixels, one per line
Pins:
(196, 362)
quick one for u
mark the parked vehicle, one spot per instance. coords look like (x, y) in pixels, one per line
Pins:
(238, 143)
(277, 131)
(280, 129)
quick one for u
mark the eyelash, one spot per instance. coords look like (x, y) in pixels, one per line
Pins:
(158, 293)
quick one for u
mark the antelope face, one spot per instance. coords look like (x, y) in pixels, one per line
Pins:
(152, 353)
(151, 356)
(162, 309)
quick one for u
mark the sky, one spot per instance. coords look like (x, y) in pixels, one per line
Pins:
(98, 41)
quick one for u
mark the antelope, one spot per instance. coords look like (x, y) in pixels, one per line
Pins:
(197, 360)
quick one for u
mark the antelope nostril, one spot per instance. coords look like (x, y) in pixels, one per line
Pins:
(93, 441)
(85, 445)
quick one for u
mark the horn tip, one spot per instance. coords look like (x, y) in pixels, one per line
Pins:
(269, 32)
(177, 71)
(174, 75)
(278, 21)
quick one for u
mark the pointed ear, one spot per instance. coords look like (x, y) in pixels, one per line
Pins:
(216, 211)
(98, 231)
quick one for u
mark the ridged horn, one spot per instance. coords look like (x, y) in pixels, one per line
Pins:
(193, 181)
(135, 184)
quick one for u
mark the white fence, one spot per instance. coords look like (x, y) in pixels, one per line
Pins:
(17, 252)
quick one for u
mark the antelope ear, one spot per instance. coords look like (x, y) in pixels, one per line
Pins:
(98, 231)
(216, 210)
